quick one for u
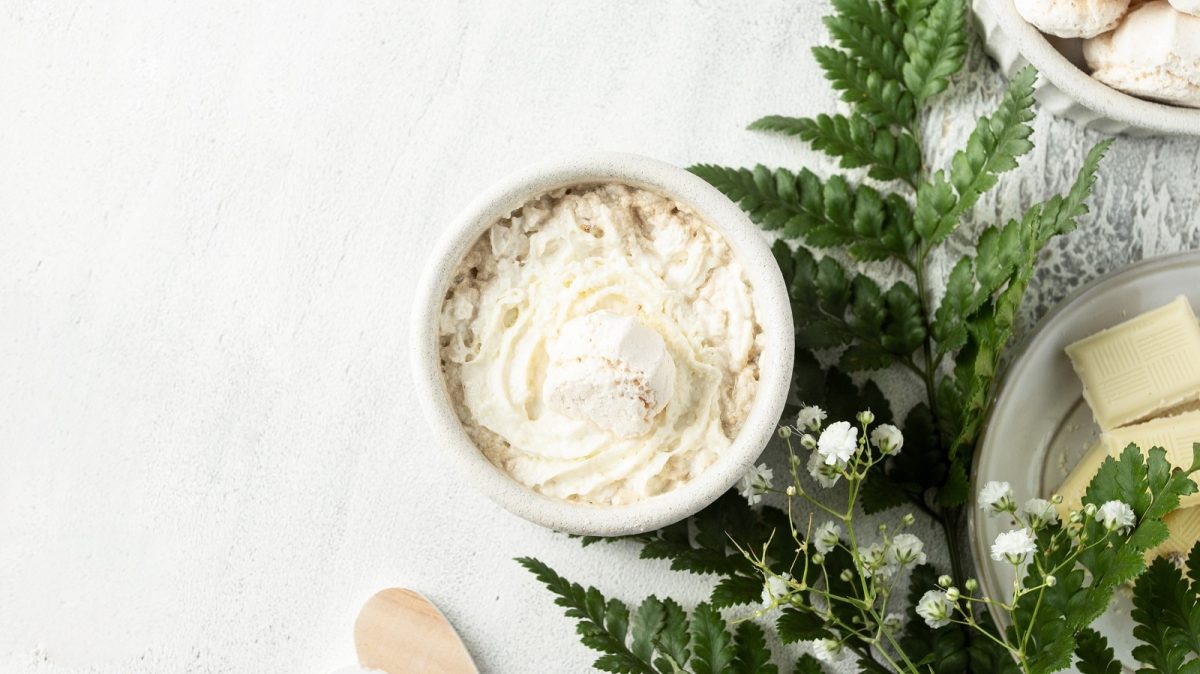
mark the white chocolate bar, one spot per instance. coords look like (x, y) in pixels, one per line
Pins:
(1141, 368)
(1175, 434)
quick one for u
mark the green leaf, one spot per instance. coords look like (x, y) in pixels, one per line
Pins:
(949, 323)
(807, 664)
(736, 591)
(905, 329)
(751, 655)
(712, 647)
(991, 149)
(1164, 605)
(648, 621)
(855, 142)
(1095, 656)
(935, 48)
(602, 626)
(865, 30)
(881, 99)
(674, 639)
(796, 624)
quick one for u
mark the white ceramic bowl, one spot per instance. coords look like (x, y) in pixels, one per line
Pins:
(772, 308)
(1064, 87)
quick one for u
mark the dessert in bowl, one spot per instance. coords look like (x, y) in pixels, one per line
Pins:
(1119, 66)
(606, 342)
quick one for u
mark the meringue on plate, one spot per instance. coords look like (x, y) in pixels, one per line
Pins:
(1154, 53)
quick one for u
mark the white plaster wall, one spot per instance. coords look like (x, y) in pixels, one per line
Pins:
(212, 215)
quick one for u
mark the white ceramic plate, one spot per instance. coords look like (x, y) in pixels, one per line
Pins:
(1064, 87)
(1040, 425)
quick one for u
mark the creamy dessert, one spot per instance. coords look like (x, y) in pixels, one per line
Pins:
(600, 344)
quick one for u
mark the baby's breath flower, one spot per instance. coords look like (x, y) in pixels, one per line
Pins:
(818, 559)
(892, 622)
(808, 441)
(971, 585)
(936, 608)
(1117, 516)
(785, 432)
(1051, 581)
(828, 650)
(907, 520)
(952, 593)
(996, 497)
(826, 537)
(1014, 546)
(875, 561)
(1040, 512)
(811, 417)
(825, 474)
(866, 417)
(945, 581)
(1089, 510)
(774, 589)
(906, 550)
(838, 443)
(888, 439)
(755, 483)
(847, 575)
(791, 490)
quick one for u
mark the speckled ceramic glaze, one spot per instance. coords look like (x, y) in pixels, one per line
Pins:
(1067, 90)
(772, 308)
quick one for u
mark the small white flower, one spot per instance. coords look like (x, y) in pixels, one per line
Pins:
(996, 497)
(828, 650)
(936, 608)
(791, 490)
(824, 474)
(808, 441)
(906, 550)
(1040, 511)
(826, 537)
(755, 483)
(1014, 546)
(811, 417)
(892, 622)
(875, 562)
(1116, 516)
(838, 443)
(775, 588)
(888, 439)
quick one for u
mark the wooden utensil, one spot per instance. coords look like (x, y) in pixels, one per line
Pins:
(401, 632)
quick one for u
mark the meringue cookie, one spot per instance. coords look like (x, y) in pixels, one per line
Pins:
(1073, 18)
(1187, 6)
(1154, 53)
(611, 370)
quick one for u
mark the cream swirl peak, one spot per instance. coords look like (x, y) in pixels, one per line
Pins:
(600, 344)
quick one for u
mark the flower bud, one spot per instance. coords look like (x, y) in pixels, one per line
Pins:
(847, 576)
(785, 432)
(1076, 517)
(1089, 510)
(1056, 499)
(972, 585)
(866, 417)
(818, 558)
(907, 520)
(808, 441)
(883, 528)
(1051, 581)
(945, 581)
(952, 594)
(791, 490)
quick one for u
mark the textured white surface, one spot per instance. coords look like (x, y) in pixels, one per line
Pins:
(212, 220)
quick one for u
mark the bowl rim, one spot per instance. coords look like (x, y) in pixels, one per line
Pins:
(1089, 92)
(772, 307)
